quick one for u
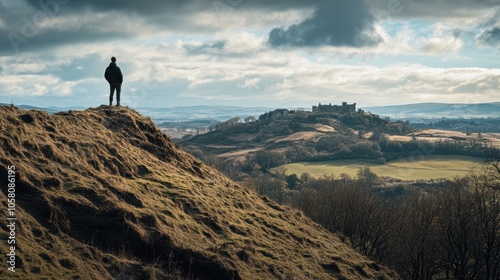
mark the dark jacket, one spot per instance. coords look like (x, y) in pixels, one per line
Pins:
(113, 74)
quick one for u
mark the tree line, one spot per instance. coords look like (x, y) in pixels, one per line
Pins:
(377, 148)
(443, 233)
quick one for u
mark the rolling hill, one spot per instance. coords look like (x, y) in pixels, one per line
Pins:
(103, 194)
(295, 133)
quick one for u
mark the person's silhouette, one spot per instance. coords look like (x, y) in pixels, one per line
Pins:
(114, 77)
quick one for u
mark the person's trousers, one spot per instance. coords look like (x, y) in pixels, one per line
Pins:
(112, 88)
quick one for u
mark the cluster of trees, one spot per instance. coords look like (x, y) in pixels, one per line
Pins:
(449, 233)
(232, 122)
(395, 149)
(359, 121)
(377, 148)
(476, 125)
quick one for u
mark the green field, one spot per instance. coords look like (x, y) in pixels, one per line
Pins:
(418, 168)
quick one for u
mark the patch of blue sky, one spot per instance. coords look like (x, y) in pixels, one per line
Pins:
(419, 28)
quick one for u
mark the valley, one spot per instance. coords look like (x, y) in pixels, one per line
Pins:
(410, 197)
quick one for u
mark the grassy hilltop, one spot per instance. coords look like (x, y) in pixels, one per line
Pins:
(103, 194)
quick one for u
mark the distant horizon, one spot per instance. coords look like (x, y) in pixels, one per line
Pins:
(270, 107)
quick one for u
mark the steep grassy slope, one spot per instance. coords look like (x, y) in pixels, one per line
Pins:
(103, 194)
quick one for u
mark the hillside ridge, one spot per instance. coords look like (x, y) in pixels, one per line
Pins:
(298, 134)
(103, 194)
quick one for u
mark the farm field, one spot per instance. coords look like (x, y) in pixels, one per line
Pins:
(434, 135)
(418, 168)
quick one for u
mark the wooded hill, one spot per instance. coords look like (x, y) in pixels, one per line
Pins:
(277, 128)
(284, 136)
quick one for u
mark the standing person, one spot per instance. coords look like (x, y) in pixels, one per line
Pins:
(114, 77)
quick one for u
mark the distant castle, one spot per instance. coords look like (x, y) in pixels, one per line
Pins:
(345, 108)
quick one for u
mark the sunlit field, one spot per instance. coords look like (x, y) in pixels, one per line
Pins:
(417, 168)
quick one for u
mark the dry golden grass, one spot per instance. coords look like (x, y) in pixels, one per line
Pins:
(301, 136)
(238, 155)
(324, 128)
(103, 194)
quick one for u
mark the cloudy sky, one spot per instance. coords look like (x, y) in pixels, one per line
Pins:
(273, 53)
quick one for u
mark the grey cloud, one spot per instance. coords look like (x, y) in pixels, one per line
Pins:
(207, 48)
(23, 30)
(491, 37)
(431, 8)
(155, 6)
(15, 42)
(279, 4)
(490, 33)
(408, 7)
(22, 27)
(334, 23)
(143, 6)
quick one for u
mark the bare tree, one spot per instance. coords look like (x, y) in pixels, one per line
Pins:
(366, 177)
(493, 167)
(415, 247)
(458, 230)
(447, 233)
